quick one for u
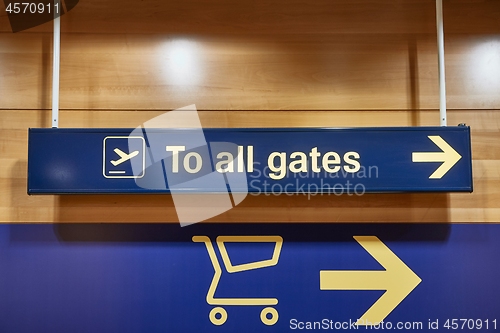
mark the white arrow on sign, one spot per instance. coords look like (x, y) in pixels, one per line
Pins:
(448, 156)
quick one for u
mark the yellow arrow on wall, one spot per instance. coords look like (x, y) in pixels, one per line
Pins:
(448, 156)
(398, 280)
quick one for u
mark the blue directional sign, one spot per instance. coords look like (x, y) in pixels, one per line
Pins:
(249, 278)
(279, 161)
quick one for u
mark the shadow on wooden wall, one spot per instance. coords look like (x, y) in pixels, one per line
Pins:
(401, 207)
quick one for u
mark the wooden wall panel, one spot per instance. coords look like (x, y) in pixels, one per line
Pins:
(275, 16)
(260, 72)
(258, 63)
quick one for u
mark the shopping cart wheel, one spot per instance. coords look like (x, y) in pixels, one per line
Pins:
(218, 316)
(269, 316)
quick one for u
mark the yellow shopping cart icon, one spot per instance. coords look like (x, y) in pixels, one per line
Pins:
(218, 315)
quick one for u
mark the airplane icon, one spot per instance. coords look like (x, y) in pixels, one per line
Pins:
(114, 154)
(123, 156)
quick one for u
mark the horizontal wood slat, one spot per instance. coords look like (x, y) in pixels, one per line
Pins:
(258, 72)
(274, 16)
